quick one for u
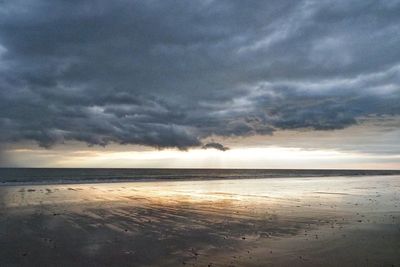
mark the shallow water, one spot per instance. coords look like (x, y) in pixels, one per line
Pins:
(318, 221)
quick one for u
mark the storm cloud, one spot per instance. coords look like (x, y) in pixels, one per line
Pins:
(215, 145)
(174, 73)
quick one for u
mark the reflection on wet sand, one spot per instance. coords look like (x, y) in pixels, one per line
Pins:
(347, 221)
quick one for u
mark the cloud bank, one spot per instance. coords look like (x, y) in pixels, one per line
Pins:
(172, 73)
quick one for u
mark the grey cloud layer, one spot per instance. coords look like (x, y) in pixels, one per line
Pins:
(171, 73)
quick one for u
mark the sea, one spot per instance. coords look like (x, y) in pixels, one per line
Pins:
(15, 176)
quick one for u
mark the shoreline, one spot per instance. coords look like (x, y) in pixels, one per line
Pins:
(239, 222)
(139, 180)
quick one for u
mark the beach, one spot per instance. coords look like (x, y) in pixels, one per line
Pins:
(315, 221)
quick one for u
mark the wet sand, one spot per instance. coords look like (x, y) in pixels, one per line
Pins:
(331, 221)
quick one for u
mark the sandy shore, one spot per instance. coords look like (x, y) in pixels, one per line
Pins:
(343, 221)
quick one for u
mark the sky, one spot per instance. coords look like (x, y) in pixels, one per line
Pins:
(202, 84)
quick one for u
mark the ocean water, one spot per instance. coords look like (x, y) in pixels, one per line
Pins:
(10, 176)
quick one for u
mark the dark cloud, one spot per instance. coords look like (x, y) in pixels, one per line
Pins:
(215, 145)
(172, 73)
